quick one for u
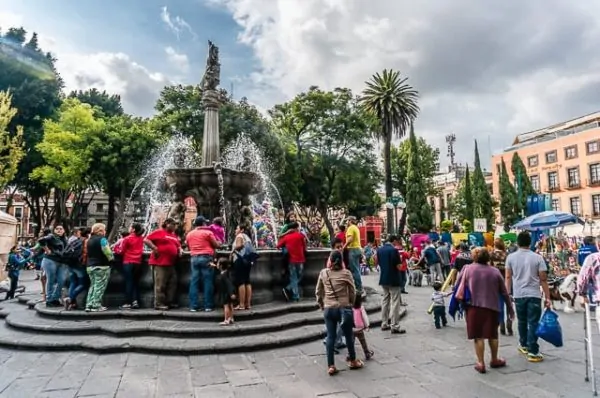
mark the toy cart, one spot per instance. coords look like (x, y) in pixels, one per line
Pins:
(589, 319)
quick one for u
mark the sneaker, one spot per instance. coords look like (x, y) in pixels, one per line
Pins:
(125, 307)
(385, 327)
(135, 305)
(161, 308)
(67, 303)
(369, 354)
(523, 350)
(208, 310)
(193, 310)
(398, 331)
(535, 357)
(99, 309)
(285, 294)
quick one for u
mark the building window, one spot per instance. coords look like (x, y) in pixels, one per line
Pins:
(592, 147)
(576, 205)
(596, 205)
(594, 174)
(571, 152)
(556, 204)
(552, 181)
(18, 212)
(99, 207)
(535, 182)
(551, 157)
(532, 161)
(573, 177)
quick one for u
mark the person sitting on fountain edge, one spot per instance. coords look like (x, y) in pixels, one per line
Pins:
(295, 243)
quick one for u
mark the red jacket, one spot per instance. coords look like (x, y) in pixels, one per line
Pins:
(132, 248)
(168, 246)
(295, 243)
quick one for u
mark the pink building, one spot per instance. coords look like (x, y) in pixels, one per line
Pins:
(563, 160)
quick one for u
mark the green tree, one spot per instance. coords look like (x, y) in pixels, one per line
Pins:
(30, 76)
(330, 151)
(509, 206)
(110, 104)
(428, 167)
(483, 204)
(521, 181)
(393, 102)
(11, 145)
(67, 154)
(118, 152)
(420, 216)
(467, 193)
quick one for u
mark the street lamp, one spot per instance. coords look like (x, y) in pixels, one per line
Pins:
(396, 201)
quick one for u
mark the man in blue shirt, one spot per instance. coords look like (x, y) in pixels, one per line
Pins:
(389, 262)
(588, 247)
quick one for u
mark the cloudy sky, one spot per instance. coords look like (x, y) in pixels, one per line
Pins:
(485, 69)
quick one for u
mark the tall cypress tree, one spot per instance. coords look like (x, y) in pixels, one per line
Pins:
(483, 205)
(468, 197)
(509, 206)
(521, 182)
(420, 216)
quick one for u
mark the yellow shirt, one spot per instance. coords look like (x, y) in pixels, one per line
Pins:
(352, 231)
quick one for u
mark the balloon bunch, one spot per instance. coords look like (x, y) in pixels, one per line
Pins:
(264, 222)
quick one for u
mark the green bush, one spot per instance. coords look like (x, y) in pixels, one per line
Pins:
(467, 226)
(446, 226)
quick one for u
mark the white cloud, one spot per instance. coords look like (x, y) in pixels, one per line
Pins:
(485, 71)
(176, 24)
(179, 60)
(116, 73)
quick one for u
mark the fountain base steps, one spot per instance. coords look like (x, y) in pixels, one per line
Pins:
(175, 332)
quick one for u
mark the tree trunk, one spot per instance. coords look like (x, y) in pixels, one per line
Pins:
(110, 221)
(402, 224)
(328, 224)
(387, 167)
(116, 228)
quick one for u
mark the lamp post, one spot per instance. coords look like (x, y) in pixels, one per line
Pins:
(396, 201)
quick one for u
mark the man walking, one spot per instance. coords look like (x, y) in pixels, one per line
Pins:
(444, 254)
(526, 271)
(434, 262)
(354, 252)
(389, 263)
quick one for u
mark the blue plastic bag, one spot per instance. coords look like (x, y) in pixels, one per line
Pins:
(549, 329)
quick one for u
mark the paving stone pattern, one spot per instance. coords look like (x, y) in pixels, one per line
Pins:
(424, 363)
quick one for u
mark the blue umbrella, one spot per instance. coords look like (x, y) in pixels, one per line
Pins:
(547, 220)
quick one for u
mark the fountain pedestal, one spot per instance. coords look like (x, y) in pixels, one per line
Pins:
(211, 99)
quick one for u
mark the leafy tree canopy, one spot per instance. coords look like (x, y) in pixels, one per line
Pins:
(418, 210)
(11, 146)
(108, 104)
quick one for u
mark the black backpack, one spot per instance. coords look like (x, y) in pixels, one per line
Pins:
(73, 253)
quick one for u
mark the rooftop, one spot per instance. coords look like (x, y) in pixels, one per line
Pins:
(569, 127)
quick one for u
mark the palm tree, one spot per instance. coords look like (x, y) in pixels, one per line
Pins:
(393, 102)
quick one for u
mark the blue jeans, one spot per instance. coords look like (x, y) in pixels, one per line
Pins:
(529, 312)
(78, 281)
(333, 318)
(201, 269)
(13, 274)
(354, 256)
(131, 273)
(55, 279)
(295, 278)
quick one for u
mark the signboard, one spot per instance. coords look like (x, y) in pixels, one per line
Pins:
(480, 225)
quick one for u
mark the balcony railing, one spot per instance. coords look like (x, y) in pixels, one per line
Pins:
(574, 185)
(553, 188)
(593, 183)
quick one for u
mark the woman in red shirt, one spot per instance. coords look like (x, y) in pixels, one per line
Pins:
(131, 250)
(166, 249)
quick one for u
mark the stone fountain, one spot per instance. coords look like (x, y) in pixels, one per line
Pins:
(212, 187)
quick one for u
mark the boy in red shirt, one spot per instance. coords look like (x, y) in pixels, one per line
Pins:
(295, 243)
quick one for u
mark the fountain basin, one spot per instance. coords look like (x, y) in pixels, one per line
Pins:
(193, 182)
(266, 278)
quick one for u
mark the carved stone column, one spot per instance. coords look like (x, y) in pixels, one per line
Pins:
(211, 100)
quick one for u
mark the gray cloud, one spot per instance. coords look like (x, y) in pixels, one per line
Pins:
(483, 68)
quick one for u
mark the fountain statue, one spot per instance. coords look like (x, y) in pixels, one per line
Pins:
(213, 187)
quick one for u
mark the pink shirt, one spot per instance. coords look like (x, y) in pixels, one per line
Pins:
(218, 231)
(199, 241)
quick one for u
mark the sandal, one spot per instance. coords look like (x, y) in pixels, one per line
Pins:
(238, 308)
(369, 354)
(332, 370)
(498, 363)
(356, 364)
(480, 367)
